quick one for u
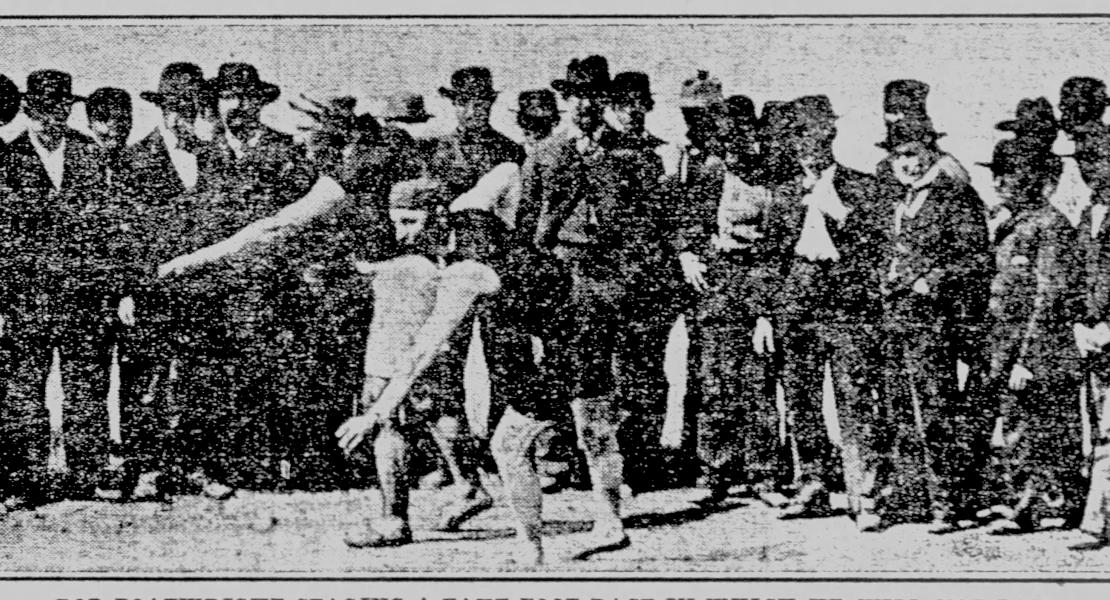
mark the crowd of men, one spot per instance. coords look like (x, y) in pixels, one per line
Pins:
(274, 304)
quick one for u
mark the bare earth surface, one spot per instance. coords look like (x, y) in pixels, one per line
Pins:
(302, 533)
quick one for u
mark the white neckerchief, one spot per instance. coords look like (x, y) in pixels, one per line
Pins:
(185, 163)
(738, 201)
(52, 161)
(240, 147)
(916, 196)
(815, 243)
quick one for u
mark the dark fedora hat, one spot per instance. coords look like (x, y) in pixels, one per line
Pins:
(49, 88)
(588, 78)
(813, 108)
(181, 83)
(1031, 116)
(631, 85)
(1085, 89)
(911, 129)
(241, 79)
(107, 103)
(470, 82)
(776, 117)
(905, 97)
(405, 107)
(10, 97)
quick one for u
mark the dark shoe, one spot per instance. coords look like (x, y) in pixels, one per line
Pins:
(464, 509)
(811, 502)
(605, 541)
(382, 533)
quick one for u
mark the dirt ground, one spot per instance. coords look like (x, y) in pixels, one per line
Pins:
(302, 533)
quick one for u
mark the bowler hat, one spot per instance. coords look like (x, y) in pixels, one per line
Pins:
(631, 85)
(405, 107)
(181, 83)
(107, 103)
(417, 194)
(587, 78)
(241, 79)
(49, 88)
(813, 108)
(470, 82)
(905, 97)
(10, 98)
(700, 91)
(1031, 117)
(912, 129)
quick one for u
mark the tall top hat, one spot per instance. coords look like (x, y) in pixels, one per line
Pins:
(405, 107)
(631, 86)
(905, 97)
(241, 79)
(181, 83)
(470, 82)
(1032, 117)
(49, 88)
(10, 97)
(912, 129)
(700, 91)
(108, 103)
(588, 78)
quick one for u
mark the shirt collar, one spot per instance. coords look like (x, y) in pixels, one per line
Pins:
(37, 143)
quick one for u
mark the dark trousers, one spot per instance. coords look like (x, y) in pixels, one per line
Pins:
(738, 421)
(942, 434)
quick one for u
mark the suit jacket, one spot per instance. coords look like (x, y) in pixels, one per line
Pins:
(460, 159)
(80, 171)
(1036, 294)
(946, 243)
(847, 289)
(272, 171)
(559, 186)
(154, 178)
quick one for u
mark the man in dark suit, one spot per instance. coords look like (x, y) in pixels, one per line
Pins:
(585, 203)
(826, 309)
(722, 212)
(936, 289)
(165, 160)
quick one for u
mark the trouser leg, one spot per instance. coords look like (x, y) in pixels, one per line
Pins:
(643, 390)
(805, 351)
(862, 417)
(24, 419)
(85, 354)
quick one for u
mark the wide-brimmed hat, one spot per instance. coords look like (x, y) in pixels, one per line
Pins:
(585, 78)
(106, 103)
(631, 85)
(905, 131)
(417, 194)
(405, 107)
(241, 79)
(1008, 157)
(470, 82)
(1032, 116)
(49, 88)
(10, 97)
(905, 97)
(180, 83)
(813, 108)
(700, 91)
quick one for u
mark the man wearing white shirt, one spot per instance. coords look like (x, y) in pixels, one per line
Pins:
(826, 312)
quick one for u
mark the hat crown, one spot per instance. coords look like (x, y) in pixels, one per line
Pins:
(237, 75)
(632, 82)
(777, 114)
(472, 81)
(740, 107)
(701, 90)
(107, 102)
(914, 129)
(591, 73)
(905, 96)
(538, 102)
(817, 107)
(49, 84)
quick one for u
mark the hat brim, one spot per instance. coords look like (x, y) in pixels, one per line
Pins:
(417, 118)
(1008, 125)
(41, 101)
(452, 94)
(266, 91)
(568, 88)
